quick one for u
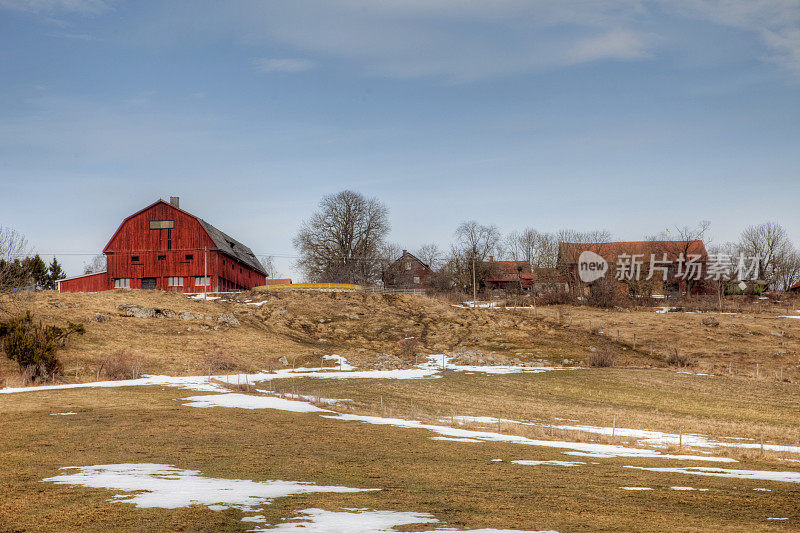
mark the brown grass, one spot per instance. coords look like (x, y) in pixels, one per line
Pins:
(457, 482)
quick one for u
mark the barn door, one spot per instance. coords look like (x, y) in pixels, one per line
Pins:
(149, 283)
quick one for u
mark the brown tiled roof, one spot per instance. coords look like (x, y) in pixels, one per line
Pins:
(568, 252)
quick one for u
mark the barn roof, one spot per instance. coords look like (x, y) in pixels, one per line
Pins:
(569, 251)
(230, 246)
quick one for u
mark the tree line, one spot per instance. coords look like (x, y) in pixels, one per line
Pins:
(346, 240)
(19, 269)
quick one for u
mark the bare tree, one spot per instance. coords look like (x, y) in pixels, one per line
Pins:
(96, 264)
(342, 241)
(13, 248)
(268, 264)
(430, 254)
(787, 269)
(680, 243)
(770, 243)
(475, 243)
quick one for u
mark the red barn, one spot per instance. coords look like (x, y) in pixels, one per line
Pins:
(164, 247)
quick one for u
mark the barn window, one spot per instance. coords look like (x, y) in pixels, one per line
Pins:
(416, 280)
(162, 257)
(162, 224)
(189, 257)
(135, 258)
(122, 283)
(202, 281)
(175, 281)
(408, 265)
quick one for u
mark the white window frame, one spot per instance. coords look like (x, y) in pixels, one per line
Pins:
(174, 281)
(408, 265)
(199, 281)
(416, 280)
(122, 283)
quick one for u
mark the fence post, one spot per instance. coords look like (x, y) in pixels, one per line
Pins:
(634, 341)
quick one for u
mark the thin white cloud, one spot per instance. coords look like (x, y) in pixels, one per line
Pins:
(290, 65)
(91, 7)
(615, 44)
(775, 22)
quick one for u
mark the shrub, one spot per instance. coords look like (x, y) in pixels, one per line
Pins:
(34, 346)
(601, 359)
(678, 359)
(215, 360)
(124, 365)
(408, 347)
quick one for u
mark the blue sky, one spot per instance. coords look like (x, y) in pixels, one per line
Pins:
(630, 115)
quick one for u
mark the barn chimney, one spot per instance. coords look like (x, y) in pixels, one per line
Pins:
(175, 201)
(405, 252)
(491, 259)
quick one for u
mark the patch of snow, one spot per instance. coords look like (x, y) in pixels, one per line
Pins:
(456, 439)
(685, 488)
(789, 316)
(526, 462)
(63, 414)
(341, 362)
(762, 489)
(664, 310)
(257, 304)
(248, 401)
(351, 520)
(766, 475)
(169, 487)
(437, 362)
(635, 488)
(576, 448)
(777, 518)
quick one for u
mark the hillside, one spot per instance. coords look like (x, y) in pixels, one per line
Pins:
(258, 330)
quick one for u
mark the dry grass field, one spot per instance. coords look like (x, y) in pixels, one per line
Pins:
(461, 483)
(302, 326)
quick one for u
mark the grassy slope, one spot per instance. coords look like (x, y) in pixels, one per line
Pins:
(457, 482)
(304, 326)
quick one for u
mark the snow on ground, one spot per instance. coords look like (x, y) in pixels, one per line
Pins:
(63, 414)
(168, 487)
(456, 439)
(341, 362)
(364, 521)
(526, 462)
(428, 369)
(789, 316)
(766, 475)
(247, 401)
(687, 488)
(350, 520)
(574, 448)
(643, 437)
(664, 310)
(438, 362)
(635, 488)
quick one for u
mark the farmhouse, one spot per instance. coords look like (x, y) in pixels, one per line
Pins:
(164, 247)
(408, 272)
(682, 263)
(509, 275)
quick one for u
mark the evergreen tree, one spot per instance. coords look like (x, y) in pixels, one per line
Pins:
(36, 269)
(55, 274)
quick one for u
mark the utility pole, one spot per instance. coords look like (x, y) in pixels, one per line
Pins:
(474, 288)
(205, 273)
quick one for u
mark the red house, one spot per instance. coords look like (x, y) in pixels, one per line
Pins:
(164, 247)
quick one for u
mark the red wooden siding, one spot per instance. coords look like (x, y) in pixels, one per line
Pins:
(186, 250)
(87, 283)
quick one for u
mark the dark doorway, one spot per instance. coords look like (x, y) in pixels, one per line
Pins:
(149, 283)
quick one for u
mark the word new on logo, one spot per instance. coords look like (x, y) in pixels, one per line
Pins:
(591, 266)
